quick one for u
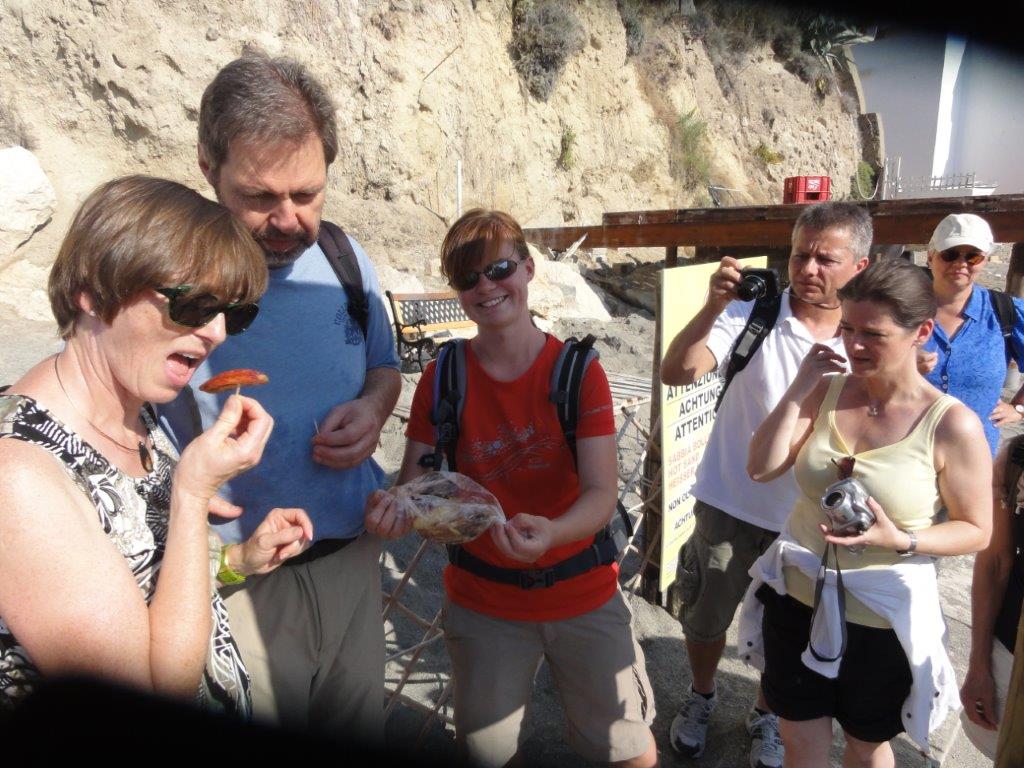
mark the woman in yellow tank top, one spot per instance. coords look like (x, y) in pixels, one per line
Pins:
(915, 451)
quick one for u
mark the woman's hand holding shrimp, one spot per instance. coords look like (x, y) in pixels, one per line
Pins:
(883, 533)
(524, 537)
(383, 518)
(232, 445)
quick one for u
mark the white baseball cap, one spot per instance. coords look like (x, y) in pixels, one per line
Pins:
(962, 229)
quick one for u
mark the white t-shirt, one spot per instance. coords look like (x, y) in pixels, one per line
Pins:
(722, 480)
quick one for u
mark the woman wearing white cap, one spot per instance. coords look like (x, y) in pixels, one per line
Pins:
(967, 352)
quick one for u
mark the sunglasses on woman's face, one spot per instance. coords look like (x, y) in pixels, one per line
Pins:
(972, 258)
(502, 269)
(196, 310)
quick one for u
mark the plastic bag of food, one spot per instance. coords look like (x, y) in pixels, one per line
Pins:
(448, 507)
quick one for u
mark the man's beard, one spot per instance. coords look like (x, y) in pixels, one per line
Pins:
(282, 258)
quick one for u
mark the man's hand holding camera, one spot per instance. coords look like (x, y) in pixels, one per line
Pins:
(723, 283)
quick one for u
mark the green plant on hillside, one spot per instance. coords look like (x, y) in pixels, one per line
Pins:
(544, 37)
(767, 155)
(566, 157)
(825, 37)
(689, 161)
(862, 185)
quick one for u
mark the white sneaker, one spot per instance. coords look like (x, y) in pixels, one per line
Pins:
(766, 750)
(690, 727)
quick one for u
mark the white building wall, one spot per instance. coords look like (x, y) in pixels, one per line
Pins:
(948, 104)
(901, 79)
(989, 118)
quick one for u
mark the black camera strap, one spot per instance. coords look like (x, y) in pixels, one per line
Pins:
(759, 325)
(819, 584)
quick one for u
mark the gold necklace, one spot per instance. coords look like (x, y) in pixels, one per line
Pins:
(144, 456)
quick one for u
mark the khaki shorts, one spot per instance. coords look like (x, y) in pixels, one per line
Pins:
(597, 666)
(312, 639)
(712, 573)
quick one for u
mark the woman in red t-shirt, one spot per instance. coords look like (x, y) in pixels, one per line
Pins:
(510, 441)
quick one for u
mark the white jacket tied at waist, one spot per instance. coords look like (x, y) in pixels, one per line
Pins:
(905, 594)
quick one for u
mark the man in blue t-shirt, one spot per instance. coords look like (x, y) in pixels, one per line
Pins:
(311, 632)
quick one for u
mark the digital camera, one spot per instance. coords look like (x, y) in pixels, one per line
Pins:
(845, 503)
(758, 284)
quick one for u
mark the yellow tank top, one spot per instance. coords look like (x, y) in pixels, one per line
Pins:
(899, 476)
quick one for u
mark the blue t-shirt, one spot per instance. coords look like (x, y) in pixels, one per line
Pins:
(314, 353)
(972, 365)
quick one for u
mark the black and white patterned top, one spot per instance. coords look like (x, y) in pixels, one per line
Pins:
(133, 512)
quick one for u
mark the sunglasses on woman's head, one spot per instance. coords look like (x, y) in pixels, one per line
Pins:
(973, 258)
(196, 310)
(502, 269)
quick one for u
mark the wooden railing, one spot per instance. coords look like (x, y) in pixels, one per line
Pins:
(895, 221)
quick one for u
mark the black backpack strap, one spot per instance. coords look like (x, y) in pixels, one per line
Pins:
(567, 381)
(1002, 303)
(603, 551)
(449, 395)
(565, 391)
(759, 324)
(336, 247)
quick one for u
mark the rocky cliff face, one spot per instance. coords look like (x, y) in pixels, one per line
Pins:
(653, 103)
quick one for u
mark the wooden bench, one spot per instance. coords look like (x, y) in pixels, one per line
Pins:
(421, 319)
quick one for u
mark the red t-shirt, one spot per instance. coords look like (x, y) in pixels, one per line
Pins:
(511, 443)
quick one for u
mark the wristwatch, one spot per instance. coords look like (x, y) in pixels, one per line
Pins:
(911, 548)
(1019, 408)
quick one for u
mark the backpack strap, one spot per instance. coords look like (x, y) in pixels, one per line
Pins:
(759, 324)
(449, 396)
(336, 247)
(567, 375)
(1002, 303)
(567, 381)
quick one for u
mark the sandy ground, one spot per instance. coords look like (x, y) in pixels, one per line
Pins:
(625, 344)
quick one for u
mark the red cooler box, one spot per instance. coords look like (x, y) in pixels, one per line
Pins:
(807, 189)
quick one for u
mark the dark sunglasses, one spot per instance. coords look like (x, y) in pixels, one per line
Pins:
(502, 269)
(196, 310)
(973, 259)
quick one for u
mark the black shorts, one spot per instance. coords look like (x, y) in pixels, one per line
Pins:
(874, 676)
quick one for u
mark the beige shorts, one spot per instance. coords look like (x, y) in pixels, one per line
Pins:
(595, 661)
(312, 639)
(712, 573)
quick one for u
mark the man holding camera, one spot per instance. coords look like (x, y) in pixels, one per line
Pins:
(736, 518)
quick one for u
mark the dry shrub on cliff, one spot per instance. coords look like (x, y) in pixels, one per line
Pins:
(544, 37)
(689, 161)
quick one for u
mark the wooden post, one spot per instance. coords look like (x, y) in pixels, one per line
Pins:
(1010, 752)
(650, 575)
(671, 256)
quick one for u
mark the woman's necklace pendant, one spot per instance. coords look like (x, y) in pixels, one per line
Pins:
(145, 457)
(873, 410)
